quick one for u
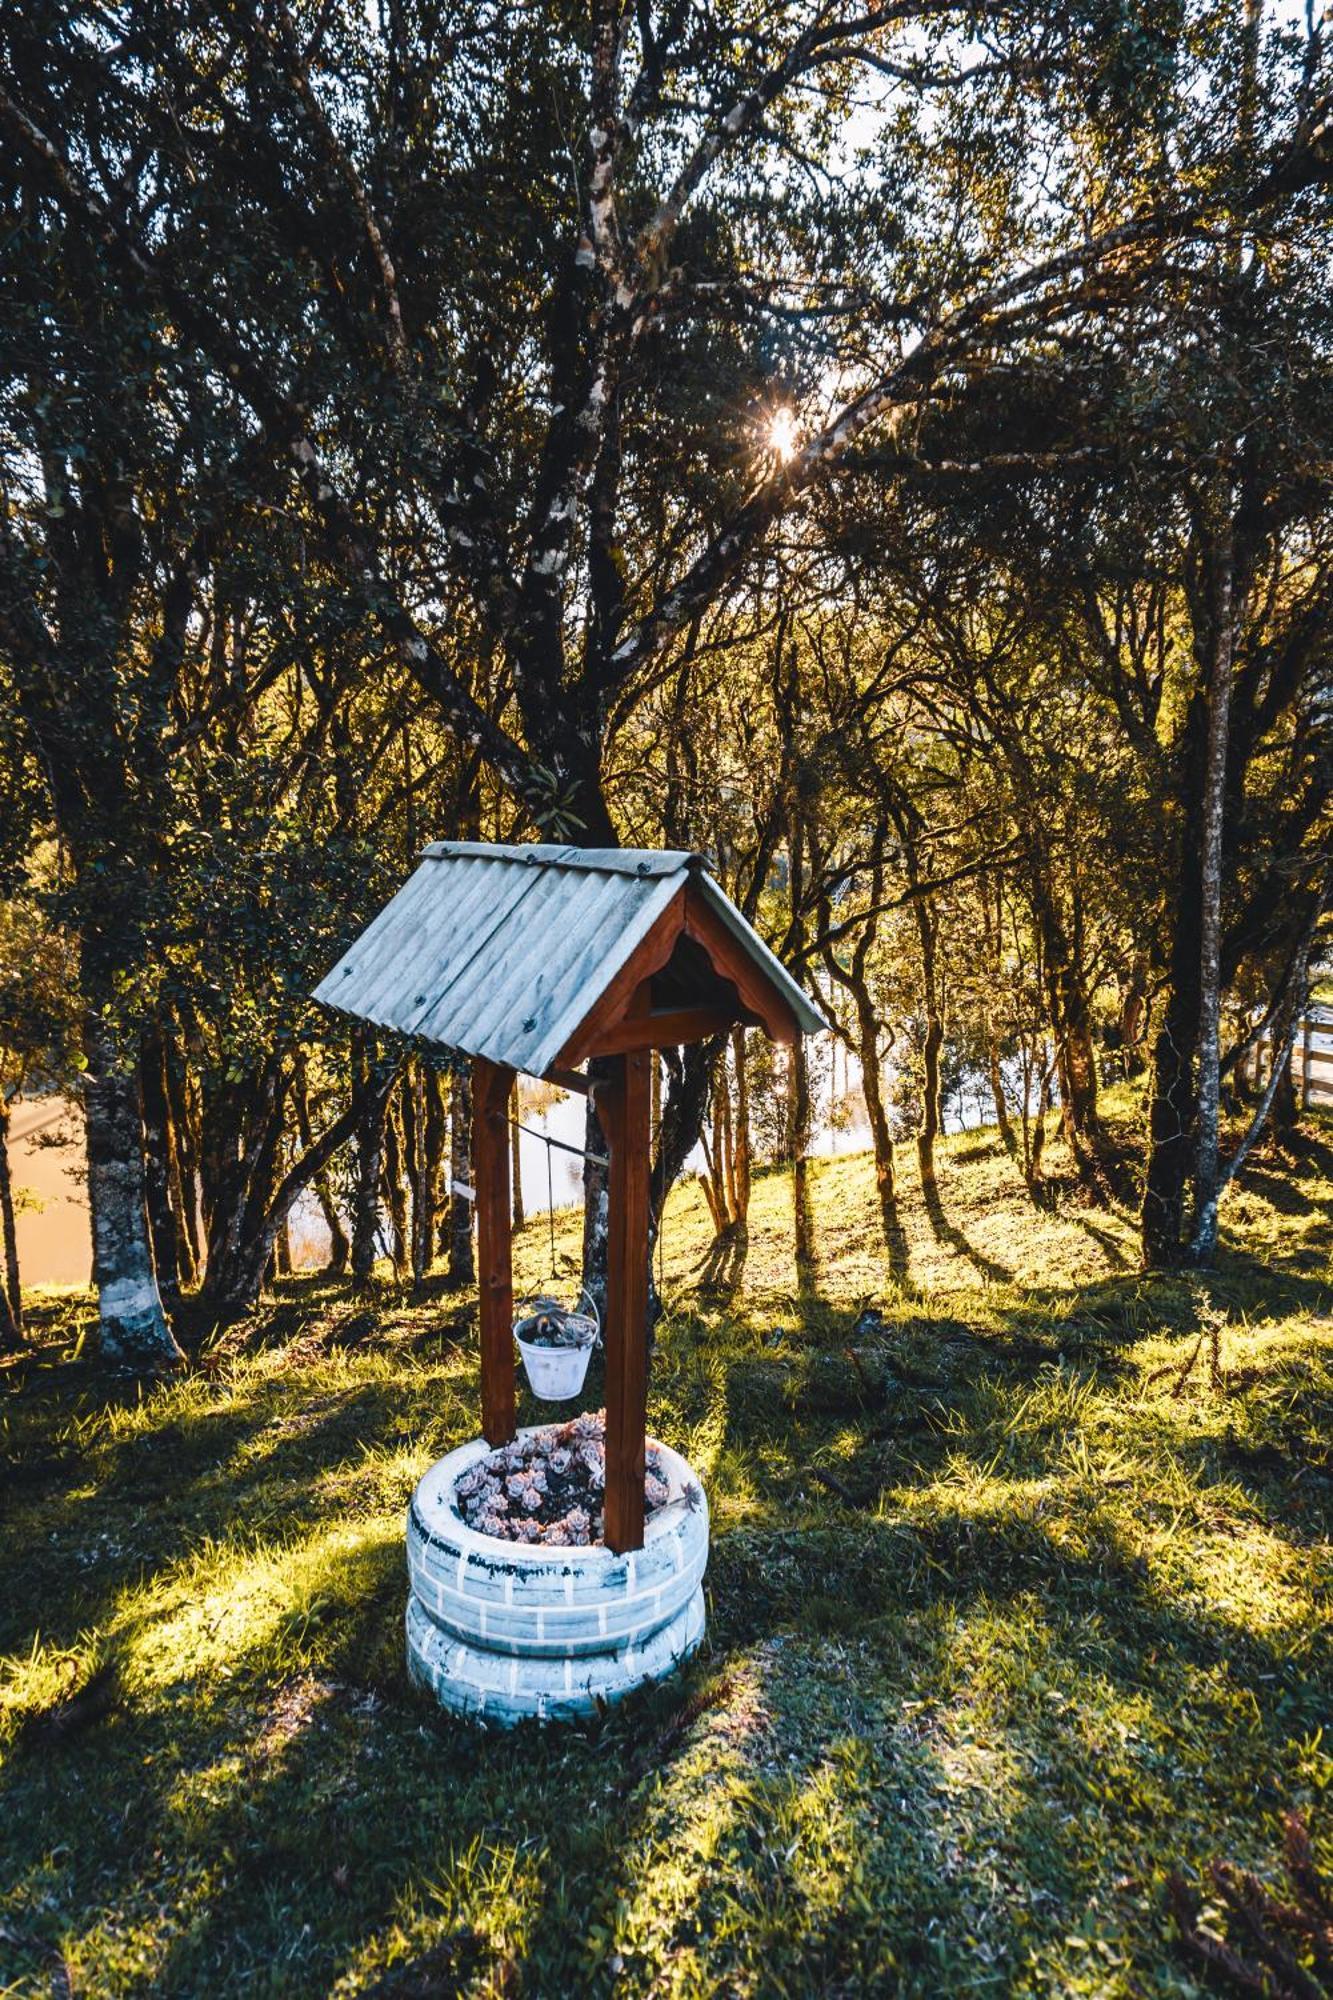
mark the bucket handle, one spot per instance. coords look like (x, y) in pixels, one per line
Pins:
(584, 1293)
(535, 1298)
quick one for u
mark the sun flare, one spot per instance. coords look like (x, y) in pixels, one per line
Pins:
(782, 439)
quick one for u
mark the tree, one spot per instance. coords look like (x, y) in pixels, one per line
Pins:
(39, 1046)
(548, 334)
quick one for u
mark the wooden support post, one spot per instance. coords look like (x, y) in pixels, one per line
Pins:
(491, 1086)
(624, 1106)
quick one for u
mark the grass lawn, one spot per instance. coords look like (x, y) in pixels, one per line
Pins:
(1059, 1626)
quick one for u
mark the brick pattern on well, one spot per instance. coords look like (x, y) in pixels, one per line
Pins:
(566, 1605)
(505, 1633)
(504, 1689)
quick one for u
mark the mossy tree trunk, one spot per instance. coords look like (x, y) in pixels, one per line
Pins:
(458, 1213)
(370, 1107)
(340, 1248)
(394, 1187)
(162, 1214)
(133, 1330)
(11, 1295)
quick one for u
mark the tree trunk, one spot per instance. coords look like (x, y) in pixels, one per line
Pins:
(1286, 1023)
(11, 1295)
(855, 979)
(243, 1134)
(1170, 1129)
(1078, 1082)
(515, 1162)
(1038, 1140)
(726, 1183)
(371, 1106)
(690, 1073)
(1203, 1244)
(162, 1217)
(424, 1170)
(1172, 1106)
(1070, 1013)
(799, 844)
(881, 1136)
(364, 1112)
(798, 1142)
(719, 1177)
(437, 1155)
(933, 1042)
(596, 1192)
(995, 1074)
(183, 1125)
(992, 929)
(340, 1247)
(395, 1192)
(133, 1330)
(1285, 1111)
(728, 1138)
(740, 1064)
(709, 1182)
(462, 1258)
(1133, 1009)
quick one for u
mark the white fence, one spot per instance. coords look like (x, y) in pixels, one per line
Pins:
(1311, 1058)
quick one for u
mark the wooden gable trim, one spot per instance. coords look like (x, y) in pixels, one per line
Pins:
(729, 957)
(622, 1020)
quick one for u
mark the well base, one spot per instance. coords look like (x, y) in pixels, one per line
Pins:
(506, 1631)
(501, 1689)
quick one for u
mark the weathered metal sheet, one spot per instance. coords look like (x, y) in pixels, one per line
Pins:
(502, 951)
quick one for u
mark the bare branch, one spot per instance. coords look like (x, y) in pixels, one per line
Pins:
(298, 72)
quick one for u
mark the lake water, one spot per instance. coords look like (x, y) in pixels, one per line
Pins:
(47, 1163)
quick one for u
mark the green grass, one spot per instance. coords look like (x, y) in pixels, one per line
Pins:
(947, 1736)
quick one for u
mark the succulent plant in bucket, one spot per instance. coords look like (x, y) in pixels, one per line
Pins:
(556, 1344)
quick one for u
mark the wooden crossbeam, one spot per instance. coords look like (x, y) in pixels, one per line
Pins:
(666, 1029)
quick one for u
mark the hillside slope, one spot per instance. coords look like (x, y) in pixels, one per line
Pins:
(1006, 1623)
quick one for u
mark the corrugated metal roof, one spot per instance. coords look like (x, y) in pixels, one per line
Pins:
(502, 951)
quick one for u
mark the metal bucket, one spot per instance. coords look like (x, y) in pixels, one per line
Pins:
(556, 1372)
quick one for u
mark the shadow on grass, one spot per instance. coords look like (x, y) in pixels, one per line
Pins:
(811, 1822)
(143, 1497)
(1123, 1308)
(1104, 1240)
(1282, 1192)
(945, 1231)
(765, 1580)
(723, 1268)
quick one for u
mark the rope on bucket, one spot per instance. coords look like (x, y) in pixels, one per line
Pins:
(598, 1160)
(579, 1152)
(550, 1209)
